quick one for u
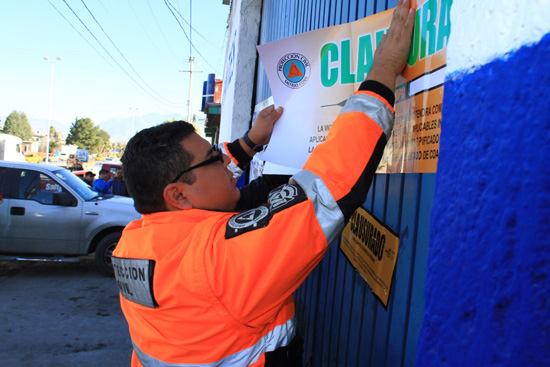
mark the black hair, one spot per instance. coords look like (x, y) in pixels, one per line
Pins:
(152, 159)
(102, 171)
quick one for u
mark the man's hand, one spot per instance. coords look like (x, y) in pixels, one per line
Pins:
(260, 133)
(391, 54)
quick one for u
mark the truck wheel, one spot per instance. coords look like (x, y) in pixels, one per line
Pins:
(104, 251)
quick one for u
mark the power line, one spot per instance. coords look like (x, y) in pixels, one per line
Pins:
(128, 71)
(197, 32)
(114, 60)
(160, 29)
(147, 33)
(81, 35)
(170, 6)
(124, 57)
(103, 6)
(106, 60)
(189, 24)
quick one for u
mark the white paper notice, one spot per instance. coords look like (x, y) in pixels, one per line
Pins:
(311, 75)
(292, 66)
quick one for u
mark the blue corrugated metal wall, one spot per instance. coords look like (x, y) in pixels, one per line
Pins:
(342, 322)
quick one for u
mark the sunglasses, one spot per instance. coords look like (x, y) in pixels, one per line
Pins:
(218, 156)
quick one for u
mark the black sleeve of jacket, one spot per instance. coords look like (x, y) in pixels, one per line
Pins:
(380, 89)
(358, 194)
(240, 155)
(255, 193)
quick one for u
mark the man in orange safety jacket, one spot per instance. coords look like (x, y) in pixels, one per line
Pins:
(206, 276)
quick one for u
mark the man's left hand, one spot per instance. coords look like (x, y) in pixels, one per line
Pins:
(260, 133)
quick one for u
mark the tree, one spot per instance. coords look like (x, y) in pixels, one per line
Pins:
(17, 124)
(55, 138)
(103, 135)
(105, 142)
(85, 135)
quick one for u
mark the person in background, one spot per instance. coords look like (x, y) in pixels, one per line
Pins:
(89, 178)
(119, 185)
(206, 276)
(103, 184)
(77, 166)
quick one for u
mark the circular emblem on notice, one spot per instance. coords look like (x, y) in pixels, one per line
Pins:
(248, 218)
(293, 70)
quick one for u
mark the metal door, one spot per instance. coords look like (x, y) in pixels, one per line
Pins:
(343, 324)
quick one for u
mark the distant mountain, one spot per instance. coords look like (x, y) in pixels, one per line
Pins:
(120, 129)
(40, 126)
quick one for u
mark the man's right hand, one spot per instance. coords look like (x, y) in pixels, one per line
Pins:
(391, 54)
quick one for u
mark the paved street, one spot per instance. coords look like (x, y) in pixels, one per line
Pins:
(60, 314)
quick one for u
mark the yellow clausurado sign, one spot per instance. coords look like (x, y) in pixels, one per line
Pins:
(372, 249)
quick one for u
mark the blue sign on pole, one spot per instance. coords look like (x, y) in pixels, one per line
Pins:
(82, 155)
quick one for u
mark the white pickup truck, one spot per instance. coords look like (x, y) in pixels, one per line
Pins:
(49, 214)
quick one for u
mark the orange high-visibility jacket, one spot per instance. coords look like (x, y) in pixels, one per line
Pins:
(208, 288)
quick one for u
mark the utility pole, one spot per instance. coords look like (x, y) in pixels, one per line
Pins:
(190, 71)
(191, 60)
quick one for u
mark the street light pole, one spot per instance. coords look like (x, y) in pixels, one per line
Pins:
(50, 109)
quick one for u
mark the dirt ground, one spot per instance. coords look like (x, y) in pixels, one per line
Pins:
(60, 314)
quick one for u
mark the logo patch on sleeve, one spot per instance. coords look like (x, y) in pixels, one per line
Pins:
(247, 221)
(284, 196)
(280, 198)
(134, 278)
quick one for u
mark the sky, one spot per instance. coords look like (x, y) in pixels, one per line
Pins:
(120, 58)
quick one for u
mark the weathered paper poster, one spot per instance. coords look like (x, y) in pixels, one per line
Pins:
(312, 74)
(372, 249)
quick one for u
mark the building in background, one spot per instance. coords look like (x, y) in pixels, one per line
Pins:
(211, 106)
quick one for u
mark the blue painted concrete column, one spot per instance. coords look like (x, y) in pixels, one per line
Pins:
(488, 282)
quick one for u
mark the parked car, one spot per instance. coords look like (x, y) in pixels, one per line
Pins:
(80, 173)
(48, 213)
(61, 156)
(33, 158)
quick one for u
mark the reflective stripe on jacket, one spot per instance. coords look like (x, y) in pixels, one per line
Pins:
(221, 283)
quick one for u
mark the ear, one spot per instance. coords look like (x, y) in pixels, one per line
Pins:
(175, 197)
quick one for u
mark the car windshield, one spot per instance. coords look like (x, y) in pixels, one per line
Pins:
(75, 183)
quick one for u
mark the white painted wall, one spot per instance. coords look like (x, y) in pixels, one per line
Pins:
(240, 66)
(482, 31)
